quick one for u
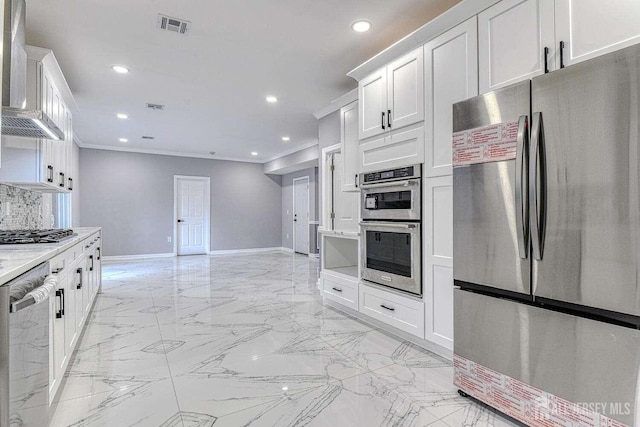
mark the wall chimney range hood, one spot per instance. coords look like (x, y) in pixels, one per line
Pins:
(16, 120)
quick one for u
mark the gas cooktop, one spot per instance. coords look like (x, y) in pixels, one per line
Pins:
(12, 237)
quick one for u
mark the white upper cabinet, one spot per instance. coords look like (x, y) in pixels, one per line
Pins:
(591, 28)
(349, 143)
(41, 164)
(512, 37)
(392, 97)
(451, 75)
(372, 95)
(405, 91)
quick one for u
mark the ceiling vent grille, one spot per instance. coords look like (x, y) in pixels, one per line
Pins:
(155, 106)
(174, 25)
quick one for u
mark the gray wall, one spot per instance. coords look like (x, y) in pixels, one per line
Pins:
(287, 204)
(130, 195)
(328, 135)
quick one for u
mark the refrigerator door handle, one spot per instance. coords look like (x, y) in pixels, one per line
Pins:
(538, 207)
(522, 205)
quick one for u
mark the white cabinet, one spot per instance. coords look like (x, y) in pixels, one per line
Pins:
(392, 97)
(405, 91)
(340, 208)
(58, 350)
(438, 260)
(512, 37)
(451, 75)
(398, 149)
(349, 145)
(42, 165)
(79, 279)
(402, 312)
(372, 96)
(339, 270)
(591, 28)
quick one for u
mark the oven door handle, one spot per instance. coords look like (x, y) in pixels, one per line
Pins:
(387, 224)
(404, 183)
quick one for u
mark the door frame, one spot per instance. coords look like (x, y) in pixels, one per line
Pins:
(293, 210)
(207, 211)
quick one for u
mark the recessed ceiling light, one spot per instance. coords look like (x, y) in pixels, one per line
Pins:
(361, 26)
(254, 153)
(120, 69)
(122, 116)
(286, 138)
(272, 99)
(124, 140)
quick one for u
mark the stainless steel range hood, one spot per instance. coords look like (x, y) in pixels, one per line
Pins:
(16, 120)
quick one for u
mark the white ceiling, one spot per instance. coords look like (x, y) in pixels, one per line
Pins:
(214, 80)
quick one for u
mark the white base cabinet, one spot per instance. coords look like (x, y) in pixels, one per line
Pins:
(402, 312)
(79, 279)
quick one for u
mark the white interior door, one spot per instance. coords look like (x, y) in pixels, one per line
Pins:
(301, 215)
(192, 215)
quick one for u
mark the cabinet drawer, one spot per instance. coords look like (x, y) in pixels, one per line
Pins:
(339, 290)
(404, 313)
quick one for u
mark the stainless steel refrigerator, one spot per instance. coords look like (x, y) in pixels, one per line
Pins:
(546, 195)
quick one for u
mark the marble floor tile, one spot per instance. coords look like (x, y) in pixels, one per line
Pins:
(245, 340)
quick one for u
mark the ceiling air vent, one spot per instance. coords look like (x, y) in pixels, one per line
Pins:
(175, 25)
(148, 137)
(155, 106)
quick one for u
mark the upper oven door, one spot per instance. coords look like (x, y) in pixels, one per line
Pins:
(391, 255)
(400, 200)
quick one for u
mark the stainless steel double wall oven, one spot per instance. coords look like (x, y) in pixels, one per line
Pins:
(391, 244)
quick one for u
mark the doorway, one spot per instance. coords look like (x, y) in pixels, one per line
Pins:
(301, 215)
(191, 215)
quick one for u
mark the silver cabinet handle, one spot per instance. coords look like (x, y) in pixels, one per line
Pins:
(337, 290)
(387, 308)
(57, 270)
(403, 183)
(538, 207)
(522, 205)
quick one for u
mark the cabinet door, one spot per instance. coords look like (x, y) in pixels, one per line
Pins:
(451, 75)
(405, 86)
(349, 141)
(69, 143)
(372, 98)
(512, 36)
(61, 150)
(438, 260)
(58, 342)
(345, 204)
(399, 149)
(591, 28)
(70, 311)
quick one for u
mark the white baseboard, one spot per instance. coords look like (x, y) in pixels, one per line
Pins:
(286, 250)
(314, 255)
(248, 251)
(140, 256)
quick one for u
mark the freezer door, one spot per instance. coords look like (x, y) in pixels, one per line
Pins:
(490, 226)
(587, 249)
(577, 359)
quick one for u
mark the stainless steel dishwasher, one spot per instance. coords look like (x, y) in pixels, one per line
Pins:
(24, 348)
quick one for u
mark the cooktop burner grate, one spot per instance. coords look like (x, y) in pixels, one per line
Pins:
(12, 237)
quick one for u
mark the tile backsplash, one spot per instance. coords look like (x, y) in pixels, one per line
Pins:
(20, 209)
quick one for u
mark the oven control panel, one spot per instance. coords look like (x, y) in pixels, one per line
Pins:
(391, 175)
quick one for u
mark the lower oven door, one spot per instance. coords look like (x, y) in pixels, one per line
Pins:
(391, 255)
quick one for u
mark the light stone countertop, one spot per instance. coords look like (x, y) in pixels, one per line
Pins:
(18, 259)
